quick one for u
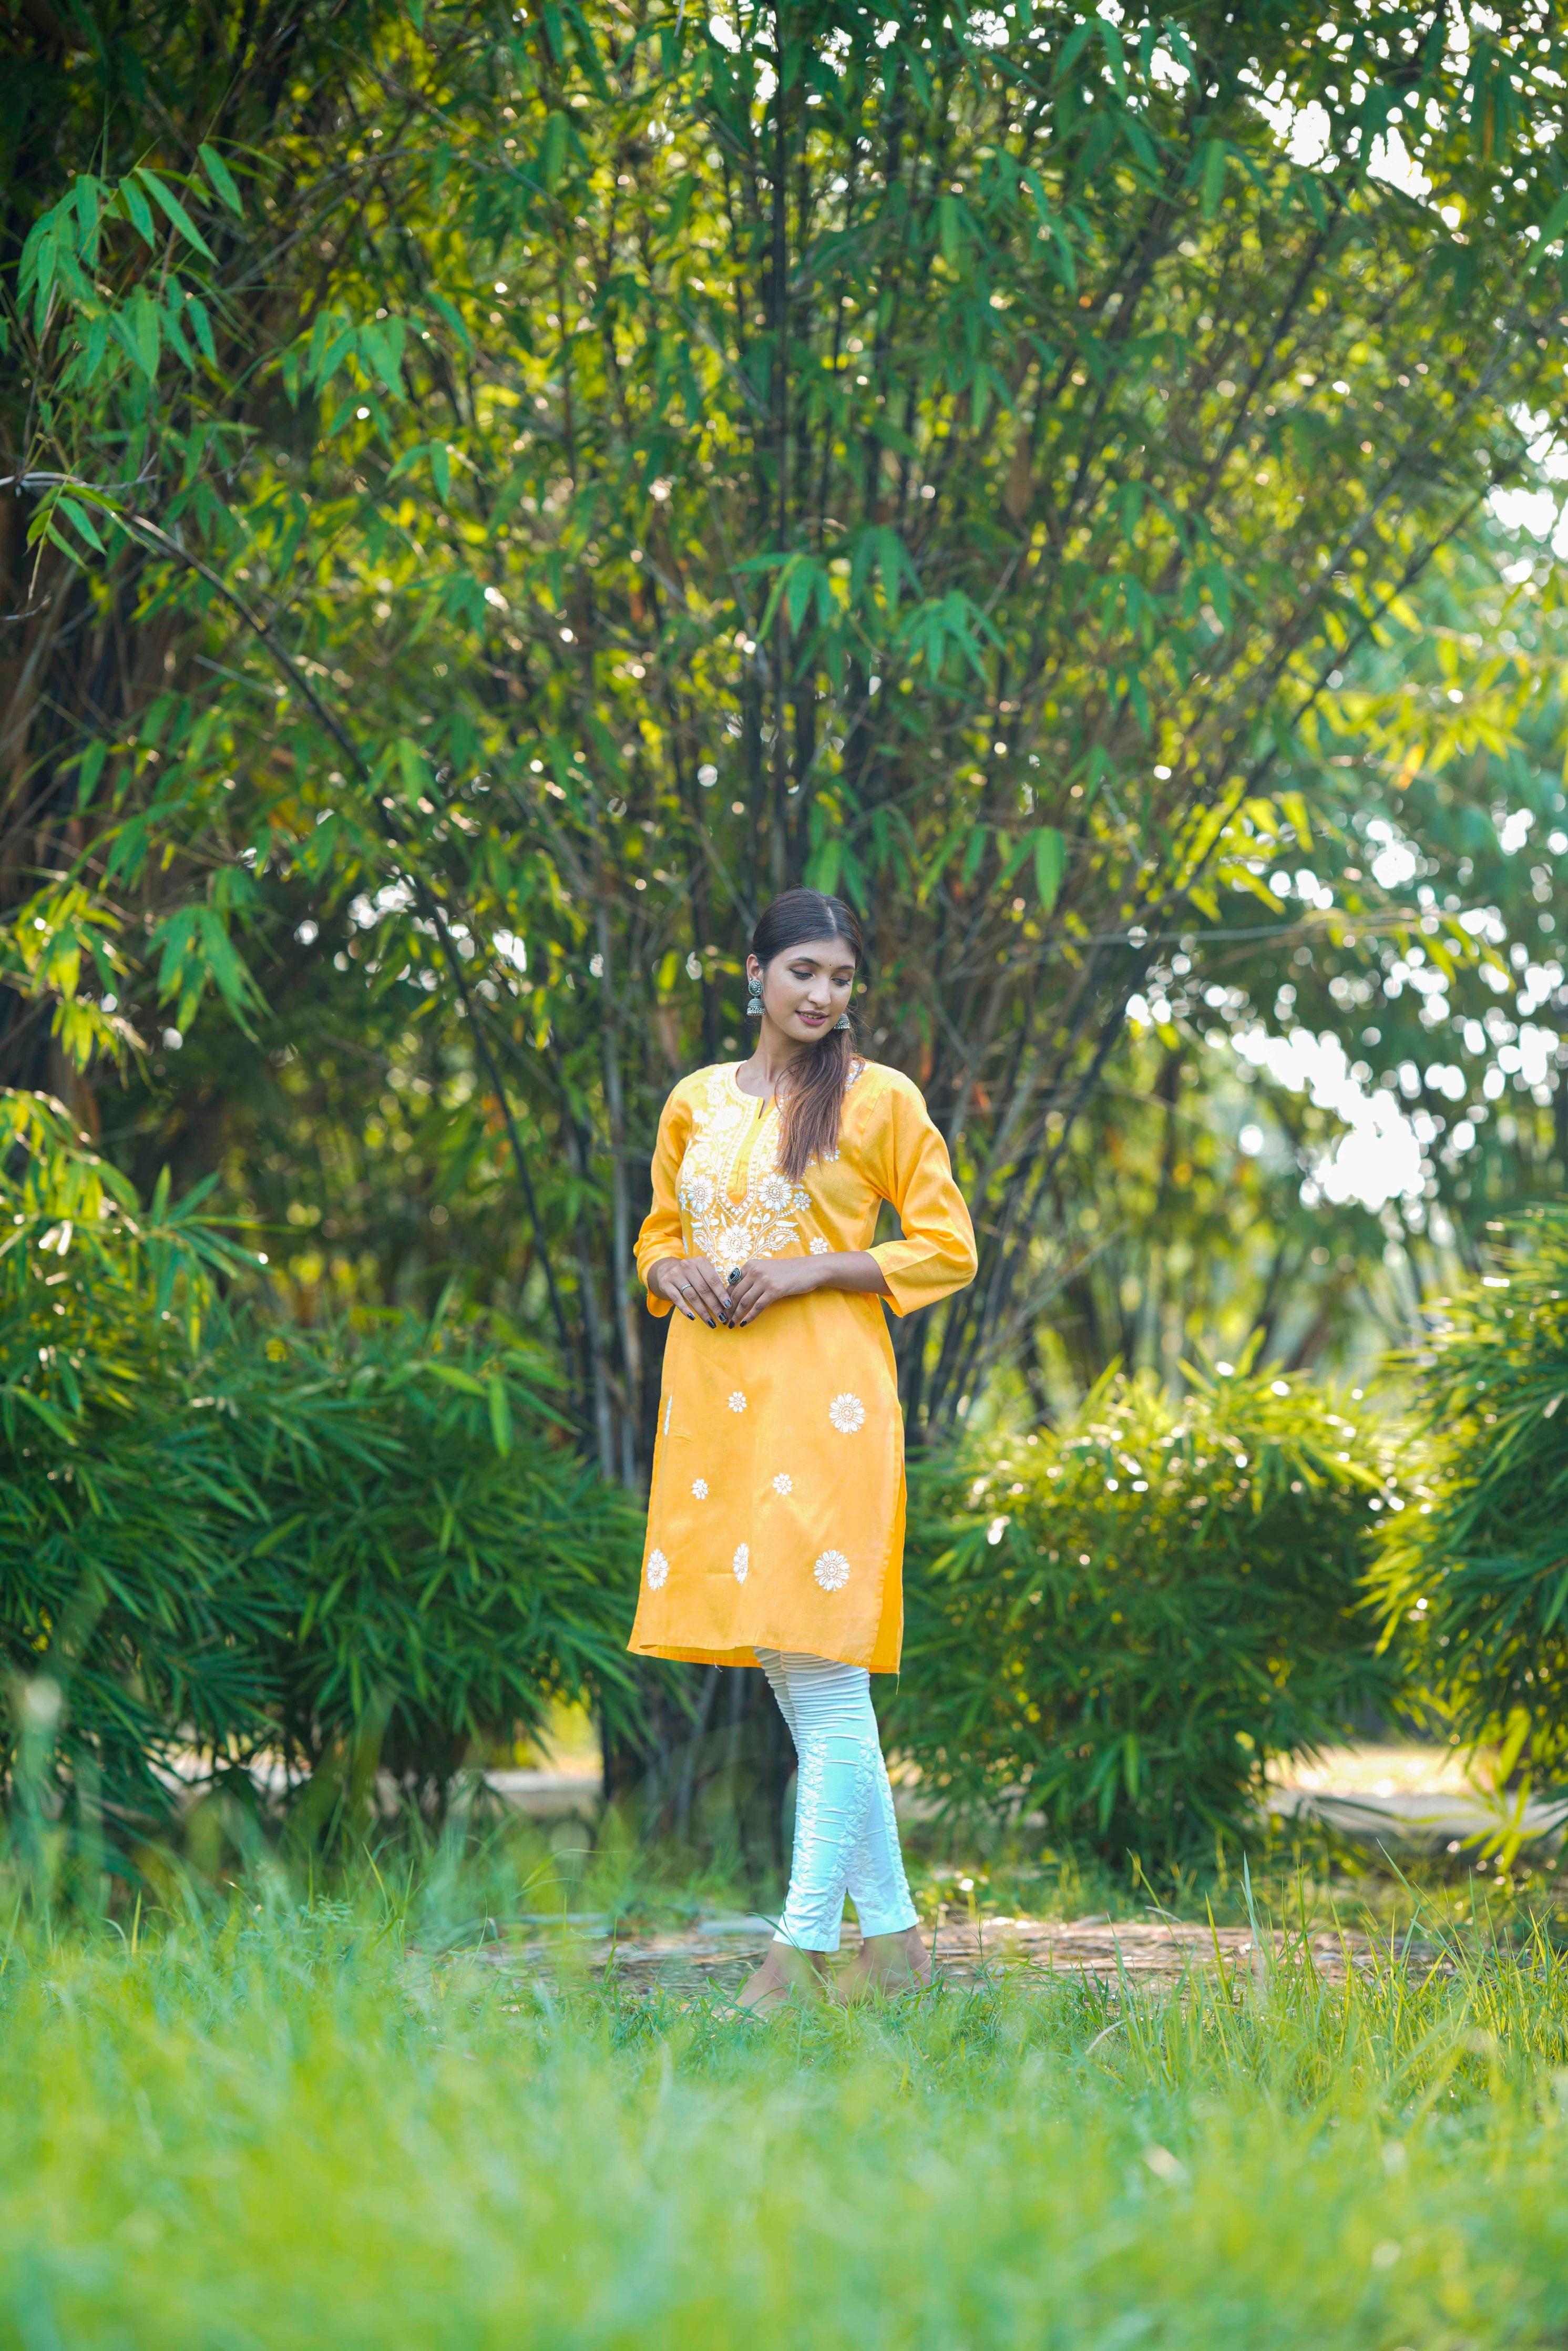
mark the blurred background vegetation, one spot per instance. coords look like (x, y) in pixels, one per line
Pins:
(489, 497)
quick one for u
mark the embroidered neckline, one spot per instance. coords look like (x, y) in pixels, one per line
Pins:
(755, 1101)
(766, 1216)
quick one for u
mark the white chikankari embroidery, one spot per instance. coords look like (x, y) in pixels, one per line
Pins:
(766, 1218)
(669, 1408)
(659, 1569)
(737, 1402)
(847, 1414)
(699, 1489)
(821, 1247)
(783, 1483)
(831, 1571)
(741, 1562)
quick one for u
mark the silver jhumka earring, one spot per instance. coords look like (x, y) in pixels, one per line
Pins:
(754, 1001)
(843, 1021)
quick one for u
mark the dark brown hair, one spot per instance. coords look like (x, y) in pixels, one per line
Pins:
(813, 1098)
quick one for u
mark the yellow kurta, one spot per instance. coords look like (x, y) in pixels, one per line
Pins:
(776, 1517)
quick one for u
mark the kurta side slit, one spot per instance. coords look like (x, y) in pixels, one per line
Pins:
(775, 1514)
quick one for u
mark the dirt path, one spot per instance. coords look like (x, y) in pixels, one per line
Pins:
(719, 1952)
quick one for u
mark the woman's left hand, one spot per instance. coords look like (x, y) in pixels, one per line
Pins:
(764, 1280)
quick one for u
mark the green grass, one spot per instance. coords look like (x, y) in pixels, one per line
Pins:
(281, 2124)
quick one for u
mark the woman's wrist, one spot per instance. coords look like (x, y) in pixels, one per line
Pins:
(855, 1270)
(828, 1268)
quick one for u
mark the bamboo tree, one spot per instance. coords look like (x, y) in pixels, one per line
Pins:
(949, 459)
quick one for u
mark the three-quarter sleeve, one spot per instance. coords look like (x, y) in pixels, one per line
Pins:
(908, 1162)
(662, 1234)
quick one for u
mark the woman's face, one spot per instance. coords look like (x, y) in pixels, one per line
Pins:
(806, 989)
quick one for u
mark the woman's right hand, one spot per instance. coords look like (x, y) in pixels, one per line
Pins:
(695, 1287)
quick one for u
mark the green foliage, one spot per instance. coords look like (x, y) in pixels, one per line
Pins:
(1311, 1129)
(449, 1561)
(221, 1540)
(951, 457)
(1118, 1626)
(288, 2123)
(497, 492)
(1474, 1581)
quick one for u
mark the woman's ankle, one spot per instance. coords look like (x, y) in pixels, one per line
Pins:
(902, 1951)
(785, 1970)
(799, 1965)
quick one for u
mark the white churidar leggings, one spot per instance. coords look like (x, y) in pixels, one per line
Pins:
(846, 1837)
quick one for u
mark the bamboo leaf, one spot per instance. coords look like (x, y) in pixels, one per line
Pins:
(136, 210)
(88, 199)
(196, 311)
(80, 522)
(553, 150)
(223, 181)
(175, 211)
(500, 1415)
(452, 318)
(1049, 865)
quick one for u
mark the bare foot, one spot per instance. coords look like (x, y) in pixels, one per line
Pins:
(886, 1965)
(784, 1972)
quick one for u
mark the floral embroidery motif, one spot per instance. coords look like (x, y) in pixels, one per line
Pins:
(847, 1414)
(741, 1562)
(783, 1483)
(658, 1571)
(699, 1489)
(738, 1401)
(833, 1570)
(821, 1247)
(766, 1218)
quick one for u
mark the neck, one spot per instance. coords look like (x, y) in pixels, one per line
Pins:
(774, 1054)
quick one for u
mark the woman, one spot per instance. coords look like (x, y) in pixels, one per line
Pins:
(775, 1519)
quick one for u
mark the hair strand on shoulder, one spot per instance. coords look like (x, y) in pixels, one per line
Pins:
(811, 1098)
